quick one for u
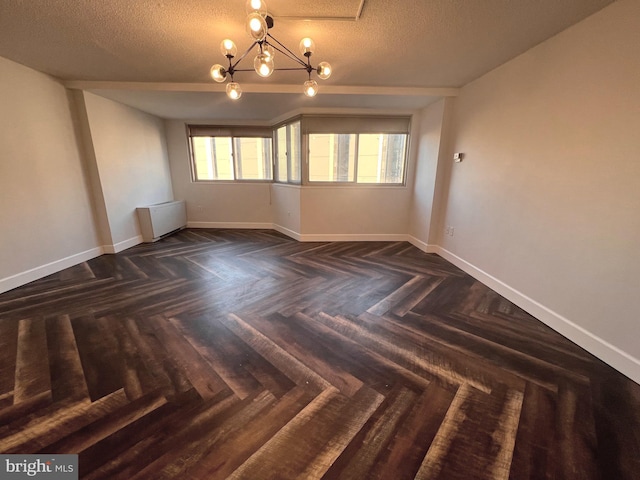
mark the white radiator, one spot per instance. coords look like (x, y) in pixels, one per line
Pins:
(161, 219)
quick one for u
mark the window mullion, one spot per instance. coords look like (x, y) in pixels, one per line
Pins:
(214, 158)
(357, 159)
(288, 153)
(235, 158)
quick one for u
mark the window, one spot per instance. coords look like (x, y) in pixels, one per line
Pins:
(332, 157)
(309, 149)
(366, 150)
(230, 153)
(288, 153)
(381, 158)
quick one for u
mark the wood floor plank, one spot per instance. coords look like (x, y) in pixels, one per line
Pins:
(8, 353)
(203, 433)
(404, 354)
(223, 351)
(52, 423)
(415, 435)
(373, 439)
(130, 449)
(323, 429)
(280, 358)
(537, 441)
(231, 453)
(115, 421)
(67, 374)
(433, 464)
(205, 380)
(374, 369)
(243, 354)
(98, 348)
(297, 342)
(32, 368)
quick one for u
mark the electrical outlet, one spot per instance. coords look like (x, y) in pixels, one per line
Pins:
(451, 229)
(199, 208)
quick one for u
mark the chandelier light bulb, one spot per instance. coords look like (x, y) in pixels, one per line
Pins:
(268, 50)
(256, 26)
(234, 92)
(228, 48)
(258, 6)
(324, 70)
(310, 88)
(263, 64)
(218, 73)
(307, 46)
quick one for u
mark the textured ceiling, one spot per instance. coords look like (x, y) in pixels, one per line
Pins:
(312, 9)
(409, 43)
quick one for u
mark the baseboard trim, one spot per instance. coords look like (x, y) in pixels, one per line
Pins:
(348, 237)
(306, 237)
(120, 246)
(288, 232)
(238, 225)
(605, 351)
(22, 278)
(425, 247)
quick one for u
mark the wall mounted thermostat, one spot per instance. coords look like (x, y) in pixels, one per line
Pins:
(457, 157)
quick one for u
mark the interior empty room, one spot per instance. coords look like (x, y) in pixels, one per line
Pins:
(331, 239)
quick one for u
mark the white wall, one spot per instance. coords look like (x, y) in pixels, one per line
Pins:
(306, 213)
(285, 202)
(131, 160)
(46, 219)
(429, 142)
(241, 205)
(547, 200)
(354, 213)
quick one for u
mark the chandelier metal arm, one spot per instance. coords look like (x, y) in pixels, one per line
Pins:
(258, 24)
(275, 69)
(232, 68)
(287, 52)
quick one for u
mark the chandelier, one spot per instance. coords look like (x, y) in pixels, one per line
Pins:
(258, 23)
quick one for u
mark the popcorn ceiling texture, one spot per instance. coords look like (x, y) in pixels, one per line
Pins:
(444, 43)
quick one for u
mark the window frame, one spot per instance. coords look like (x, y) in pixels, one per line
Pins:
(308, 124)
(233, 133)
(356, 125)
(287, 125)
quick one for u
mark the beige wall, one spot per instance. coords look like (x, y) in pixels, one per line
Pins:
(130, 154)
(46, 219)
(429, 143)
(354, 213)
(307, 213)
(243, 205)
(285, 202)
(547, 199)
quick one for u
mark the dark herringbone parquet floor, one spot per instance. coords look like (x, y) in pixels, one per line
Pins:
(246, 355)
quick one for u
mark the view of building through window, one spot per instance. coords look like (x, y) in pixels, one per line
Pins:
(337, 149)
(288, 153)
(253, 158)
(213, 158)
(364, 158)
(228, 158)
